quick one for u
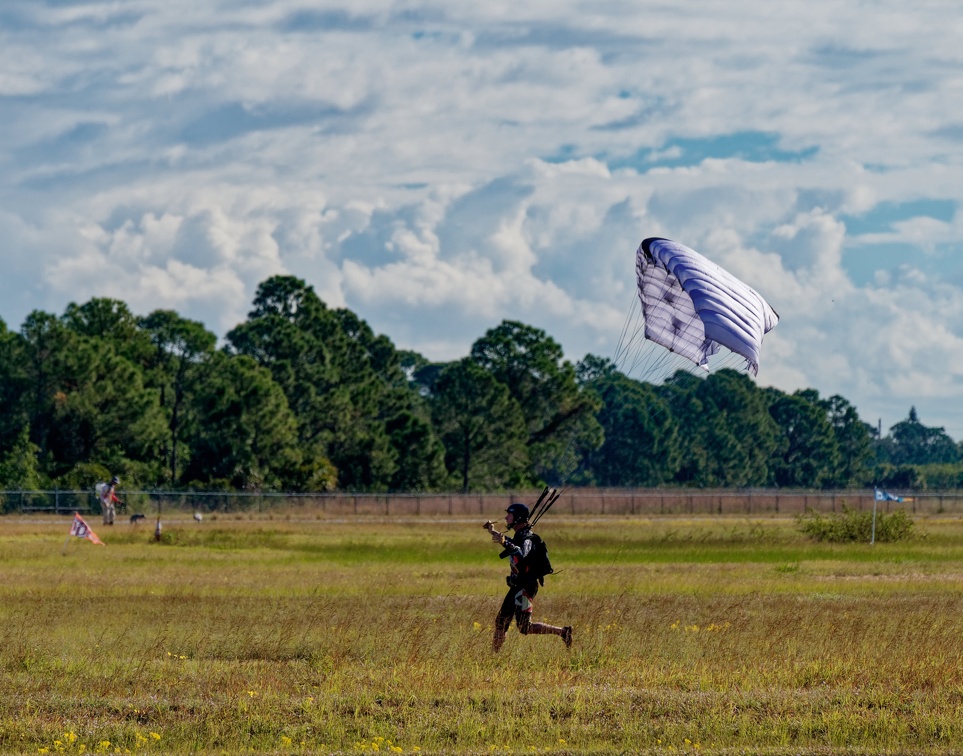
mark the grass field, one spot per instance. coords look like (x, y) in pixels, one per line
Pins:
(290, 635)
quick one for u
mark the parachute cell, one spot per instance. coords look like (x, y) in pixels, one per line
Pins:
(692, 306)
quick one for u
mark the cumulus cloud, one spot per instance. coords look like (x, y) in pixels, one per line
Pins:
(439, 168)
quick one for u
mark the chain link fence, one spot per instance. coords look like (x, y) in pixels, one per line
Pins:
(576, 501)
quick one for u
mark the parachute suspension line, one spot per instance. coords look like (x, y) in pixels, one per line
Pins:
(637, 356)
(633, 312)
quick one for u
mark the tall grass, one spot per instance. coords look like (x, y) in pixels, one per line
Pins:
(714, 635)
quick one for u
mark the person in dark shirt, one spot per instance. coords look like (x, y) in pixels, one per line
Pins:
(523, 581)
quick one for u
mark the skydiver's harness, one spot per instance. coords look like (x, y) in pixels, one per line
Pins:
(530, 562)
(529, 558)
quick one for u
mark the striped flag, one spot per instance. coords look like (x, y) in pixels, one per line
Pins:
(81, 529)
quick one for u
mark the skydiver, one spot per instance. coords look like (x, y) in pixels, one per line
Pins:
(524, 550)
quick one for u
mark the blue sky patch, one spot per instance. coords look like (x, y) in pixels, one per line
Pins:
(882, 217)
(862, 262)
(751, 146)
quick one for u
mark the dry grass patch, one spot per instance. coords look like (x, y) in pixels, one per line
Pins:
(705, 635)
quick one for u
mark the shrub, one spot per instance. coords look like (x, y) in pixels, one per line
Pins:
(852, 526)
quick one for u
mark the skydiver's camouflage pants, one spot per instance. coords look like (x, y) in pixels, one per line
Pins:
(518, 605)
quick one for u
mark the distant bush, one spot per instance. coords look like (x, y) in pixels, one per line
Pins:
(853, 526)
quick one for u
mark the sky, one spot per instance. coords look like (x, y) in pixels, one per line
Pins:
(440, 167)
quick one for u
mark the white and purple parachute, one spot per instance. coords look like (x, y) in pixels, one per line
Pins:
(692, 307)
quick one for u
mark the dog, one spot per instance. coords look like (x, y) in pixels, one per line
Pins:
(135, 518)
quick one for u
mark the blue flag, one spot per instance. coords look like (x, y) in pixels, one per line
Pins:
(887, 496)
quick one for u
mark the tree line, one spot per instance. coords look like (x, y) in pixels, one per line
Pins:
(303, 397)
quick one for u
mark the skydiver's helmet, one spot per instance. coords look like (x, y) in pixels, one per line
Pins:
(519, 512)
(114, 481)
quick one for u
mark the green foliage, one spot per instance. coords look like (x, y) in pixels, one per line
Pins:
(245, 433)
(808, 454)
(306, 398)
(903, 477)
(854, 442)
(20, 467)
(85, 475)
(180, 349)
(940, 476)
(853, 526)
(642, 440)
(729, 436)
(914, 443)
(481, 426)
(558, 414)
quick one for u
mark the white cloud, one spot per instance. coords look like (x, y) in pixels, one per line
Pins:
(440, 167)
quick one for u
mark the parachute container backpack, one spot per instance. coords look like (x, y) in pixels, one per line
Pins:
(539, 564)
(692, 306)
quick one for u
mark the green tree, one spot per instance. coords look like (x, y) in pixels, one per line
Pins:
(181, 347)
(20, 467)
(291, 332)
(855, 442)
(421, 466)
(807, 455)
(641, 445)
(13, 388)
(83, 400)
(681, 393)
(559, 417)
(110, 322)
(48, 355)
(481, 426)
(105, 413)
(245, 435)
(728, 435)
(917, 444)
(346, 385)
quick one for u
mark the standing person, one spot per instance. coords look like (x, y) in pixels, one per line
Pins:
(108, 498)
(527, 555)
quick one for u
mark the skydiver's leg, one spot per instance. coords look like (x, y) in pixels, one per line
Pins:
(523, 616)
(540, 628)
(523, 609)
(503, 620)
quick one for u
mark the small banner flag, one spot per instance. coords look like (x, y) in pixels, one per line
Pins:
(887, 496)
(81, 529)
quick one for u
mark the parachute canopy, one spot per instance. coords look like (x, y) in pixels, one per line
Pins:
(692, 306)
